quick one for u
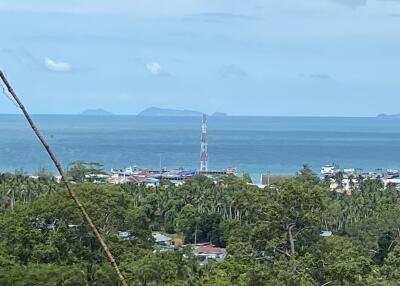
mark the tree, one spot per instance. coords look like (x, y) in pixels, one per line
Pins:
(44, 174)
(391, 267)
(187, 223)
(336, 261)
(81, 171)
(307, 175)
(247, 178)
(51, 230)
(272, 236)
(294, 215)
(339, 179)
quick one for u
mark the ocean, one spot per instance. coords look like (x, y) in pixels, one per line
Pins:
(254, 145)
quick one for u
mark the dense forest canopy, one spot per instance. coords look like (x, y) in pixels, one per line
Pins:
(272, 235)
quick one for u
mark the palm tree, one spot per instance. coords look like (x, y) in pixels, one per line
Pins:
(351, 183)
(339, 179)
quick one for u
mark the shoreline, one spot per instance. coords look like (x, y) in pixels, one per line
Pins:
(378, 117)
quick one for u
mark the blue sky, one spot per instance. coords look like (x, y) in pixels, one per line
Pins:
(253, 57)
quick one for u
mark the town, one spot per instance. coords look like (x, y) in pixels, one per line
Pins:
(346, 180)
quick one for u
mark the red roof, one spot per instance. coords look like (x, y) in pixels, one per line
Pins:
(139, 178)
(209, 249)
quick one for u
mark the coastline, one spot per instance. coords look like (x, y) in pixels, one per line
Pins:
(254, 145)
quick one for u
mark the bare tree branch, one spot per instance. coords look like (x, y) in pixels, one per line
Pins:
(291, 239)
(65, 181)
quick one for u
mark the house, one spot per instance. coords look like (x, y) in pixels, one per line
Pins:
(126, 235)
(177, 183)
(329, 170)
(394, 182)
(325, 233)
(347, 186)
(151, 182)
(162, 241)
(186, 174)
(117, 179)
(123, 235)
(97, 178)
(205, 252)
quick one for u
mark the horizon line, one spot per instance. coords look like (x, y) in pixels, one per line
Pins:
(210, 115)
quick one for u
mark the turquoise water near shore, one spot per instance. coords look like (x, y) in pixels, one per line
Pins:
(252, 144)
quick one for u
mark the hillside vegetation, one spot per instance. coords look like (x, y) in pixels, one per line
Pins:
(272, 235)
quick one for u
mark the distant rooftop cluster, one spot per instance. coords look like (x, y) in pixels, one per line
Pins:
(347, 180)
(152, 177)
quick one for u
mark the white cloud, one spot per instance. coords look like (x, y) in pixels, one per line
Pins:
(154, 68)
(57, 66)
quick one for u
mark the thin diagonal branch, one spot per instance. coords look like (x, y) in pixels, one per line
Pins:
(65, 181)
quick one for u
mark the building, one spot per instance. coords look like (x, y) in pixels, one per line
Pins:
(326, 233)
(206, 252)
(118, 179)
(151, 182)
(392, 181)
(163, 242)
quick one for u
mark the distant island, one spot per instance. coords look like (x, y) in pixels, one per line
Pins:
(96, 112)
(153, 111)
(156, 111)
(383, 115)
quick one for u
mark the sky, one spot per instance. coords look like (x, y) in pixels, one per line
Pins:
(253, 57)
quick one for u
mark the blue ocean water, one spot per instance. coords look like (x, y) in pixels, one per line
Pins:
(253, 145)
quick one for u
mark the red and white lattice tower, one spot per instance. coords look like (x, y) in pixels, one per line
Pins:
(204, 146)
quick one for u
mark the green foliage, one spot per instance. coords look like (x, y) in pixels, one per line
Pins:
(271, 235)
(187, 222)
(80, 171)
(19, 189)
(44, 174)
(51, 229)
(42, 274)
(247, 178)
(336, 260)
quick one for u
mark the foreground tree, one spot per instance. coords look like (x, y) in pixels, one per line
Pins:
(80, 171)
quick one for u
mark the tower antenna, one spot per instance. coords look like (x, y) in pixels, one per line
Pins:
(204, 146)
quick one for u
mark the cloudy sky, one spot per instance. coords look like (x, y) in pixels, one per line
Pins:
(253, 57)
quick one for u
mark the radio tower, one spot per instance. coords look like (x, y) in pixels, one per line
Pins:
(204, 146)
